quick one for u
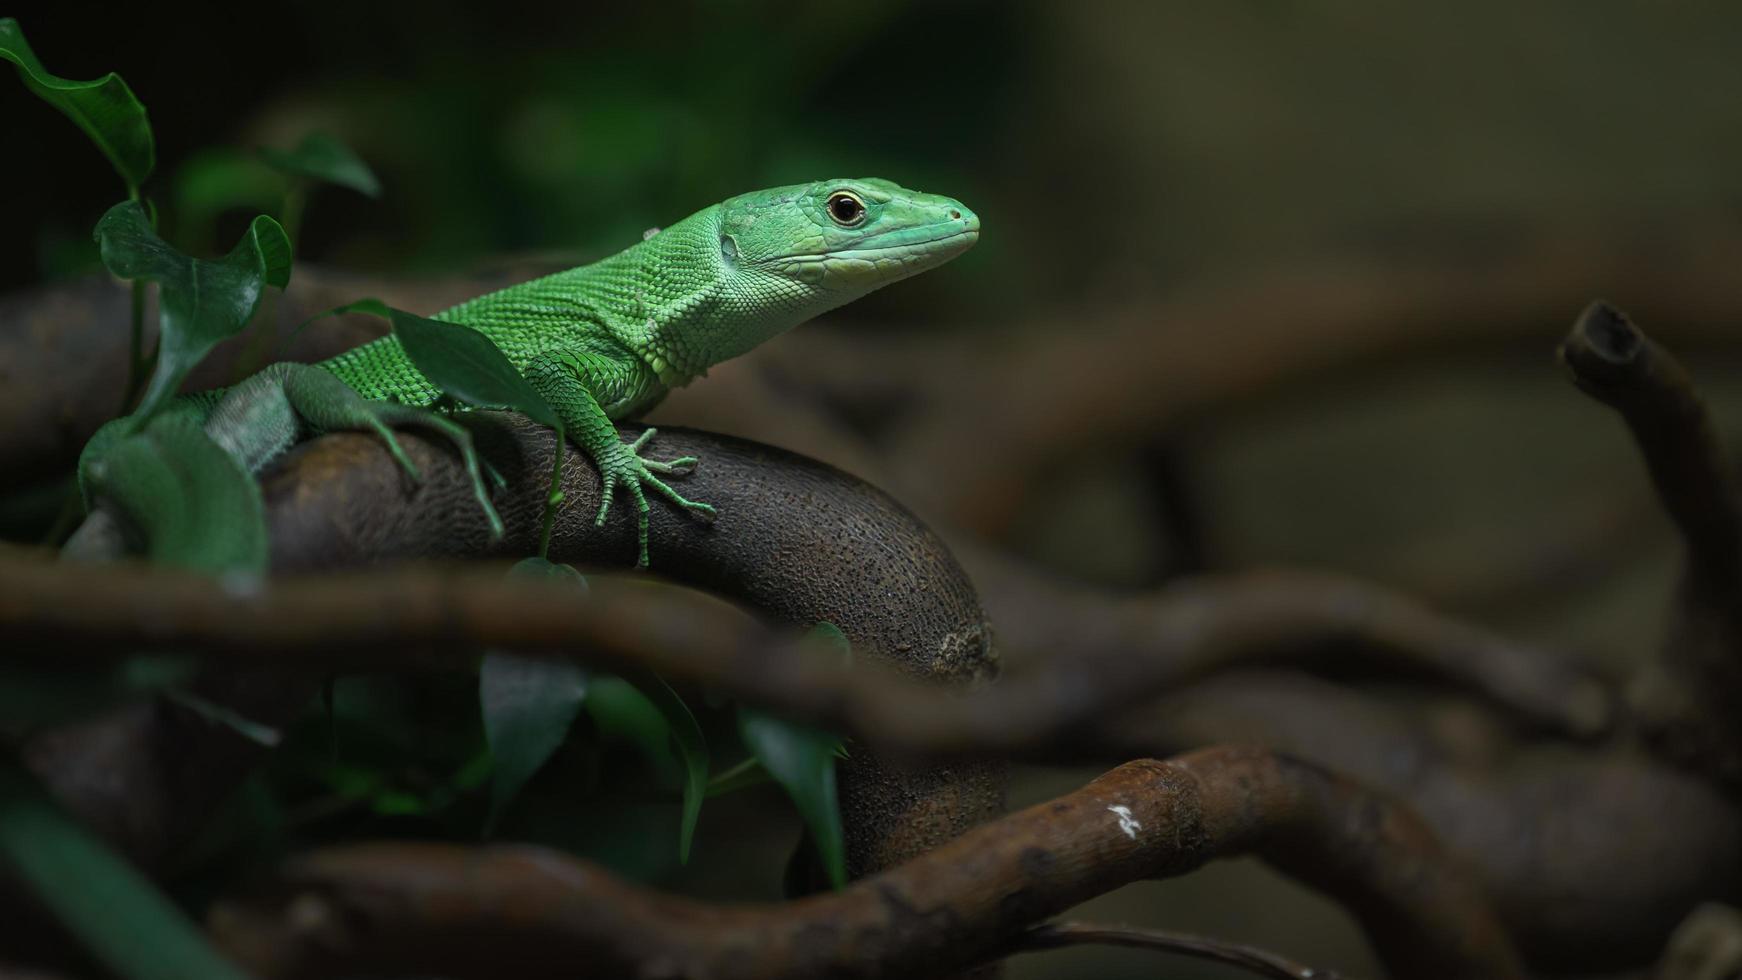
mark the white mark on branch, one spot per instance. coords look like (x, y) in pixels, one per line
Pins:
(1127, 822)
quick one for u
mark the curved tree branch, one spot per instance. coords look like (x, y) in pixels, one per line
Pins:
(1307, 619)
(1690, 700)
(427, 618)
(797, 541)
(400, 908)
(1572, 846)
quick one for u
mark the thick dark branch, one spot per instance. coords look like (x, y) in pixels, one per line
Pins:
(420, 618)
(1055, 935)
(406, 909)
(797, 541)
(1572, 847)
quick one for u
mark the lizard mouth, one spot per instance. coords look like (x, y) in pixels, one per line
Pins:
(938, 241)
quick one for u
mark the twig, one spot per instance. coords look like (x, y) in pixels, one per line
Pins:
(1690, 700)
(1198, 626)
(1055, 935)
(401, 908)
(1611, 360)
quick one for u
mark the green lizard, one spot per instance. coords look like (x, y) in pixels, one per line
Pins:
(607, 341)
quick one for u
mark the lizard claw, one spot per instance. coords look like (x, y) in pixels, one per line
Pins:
(628, 469)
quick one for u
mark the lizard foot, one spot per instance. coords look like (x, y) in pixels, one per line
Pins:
(328, 404)
(625, 467)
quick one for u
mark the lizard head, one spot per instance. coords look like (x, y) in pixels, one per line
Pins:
(836, 240)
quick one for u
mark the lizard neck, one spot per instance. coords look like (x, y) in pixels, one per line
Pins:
(678, 300)
(694, 305)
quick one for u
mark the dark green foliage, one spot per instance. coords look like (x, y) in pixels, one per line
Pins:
(321, 157)
(461, 362)
(104, 108)
(203, 507)
(125, 922)
(200, 302)
(528, 704)
(691, 745)
(802, 760)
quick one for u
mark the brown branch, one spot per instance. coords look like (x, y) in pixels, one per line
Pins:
(1057, 935)
(1572, 847)
(404, 909)
(1143, 373)
(1690, 700)
(421, 618)
(1611, 360)
(796, 541)
(1199, 626)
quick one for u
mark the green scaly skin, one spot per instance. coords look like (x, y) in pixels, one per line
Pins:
(606, 341)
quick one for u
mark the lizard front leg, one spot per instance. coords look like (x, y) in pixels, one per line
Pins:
(563, 381)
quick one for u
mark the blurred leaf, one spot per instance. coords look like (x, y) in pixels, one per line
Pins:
(104, 108)
(744, 775)
(802, 760)
(529, 704)
(217, 180)
(113, 910)
(202, 506)
(621, 711)
(461, 362)
(323, 157)
(827, 638)
(200, 302)
(35, 694)
(692, 745)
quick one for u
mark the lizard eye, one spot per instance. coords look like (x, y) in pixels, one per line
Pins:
(846, 210)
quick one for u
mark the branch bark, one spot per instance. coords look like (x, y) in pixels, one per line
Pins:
(1690, 700)
(1572, 846)
(797, 541)
(398, 908)
(424, 618)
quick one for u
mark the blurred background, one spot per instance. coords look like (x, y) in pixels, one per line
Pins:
(1197, 177)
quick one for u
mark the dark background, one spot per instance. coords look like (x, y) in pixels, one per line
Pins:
(1121, 156)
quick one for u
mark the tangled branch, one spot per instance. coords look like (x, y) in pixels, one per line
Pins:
(402, 909)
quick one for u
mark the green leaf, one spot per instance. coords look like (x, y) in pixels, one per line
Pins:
(104, 108)
(621, 711)
(113, 910)
(203, 507)
(529, 704)
(692, 745)
(802, 760)
(214, 181)
(322, 157)
(461, 362)
(200, 302)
